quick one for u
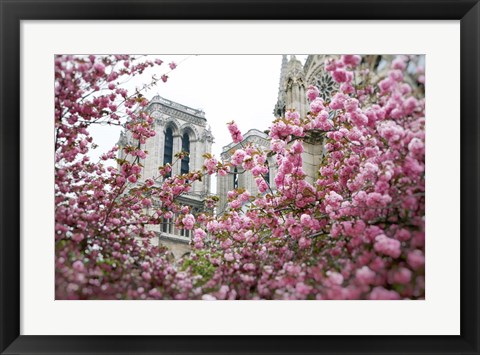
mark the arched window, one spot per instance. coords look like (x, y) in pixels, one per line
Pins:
(168, 148)
(235, 178)
(186, 148)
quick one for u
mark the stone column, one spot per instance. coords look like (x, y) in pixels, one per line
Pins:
(293, 103)
(193, 164)
(224, 184)
(303, 102)
(159, 143)
(177, 147)
(288, 104)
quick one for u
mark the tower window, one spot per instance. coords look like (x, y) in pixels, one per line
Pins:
(235, 178)
(168, 148)
(185, 166)
(167, 225)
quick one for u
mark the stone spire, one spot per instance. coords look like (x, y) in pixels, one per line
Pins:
(295, 98)
(283, 72)
(279, 109)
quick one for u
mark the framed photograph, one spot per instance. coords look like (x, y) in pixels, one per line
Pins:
(238, 177)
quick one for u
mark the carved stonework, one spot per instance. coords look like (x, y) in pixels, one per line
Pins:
(185, 127)
(172, 122)
(258, 140)
(173, 112)
(295, 69)
(207, 136)
(156, 115)
(325, 84)
(123, 140)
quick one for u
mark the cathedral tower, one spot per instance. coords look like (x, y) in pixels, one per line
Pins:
(178, 128)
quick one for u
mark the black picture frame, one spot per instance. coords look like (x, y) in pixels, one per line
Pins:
(13, 12)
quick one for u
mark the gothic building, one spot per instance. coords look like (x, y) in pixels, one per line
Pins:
(178, 128)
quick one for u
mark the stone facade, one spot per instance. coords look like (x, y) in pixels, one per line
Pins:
(178, 127)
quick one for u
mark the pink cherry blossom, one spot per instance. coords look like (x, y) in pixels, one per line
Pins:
(235, 132)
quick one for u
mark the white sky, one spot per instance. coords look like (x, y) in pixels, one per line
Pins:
(243, 88)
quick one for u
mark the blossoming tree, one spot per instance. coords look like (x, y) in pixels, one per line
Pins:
(103, 247)
(357, 232)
